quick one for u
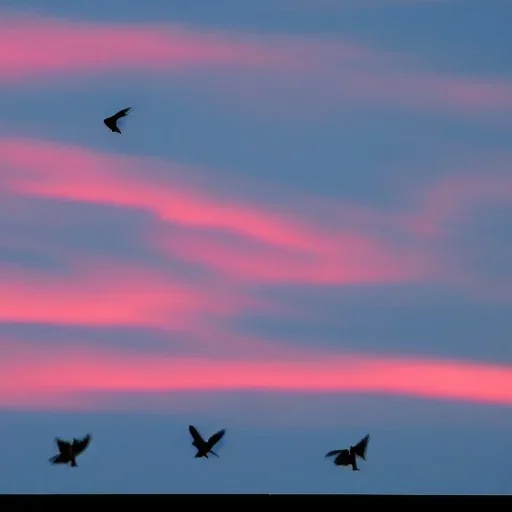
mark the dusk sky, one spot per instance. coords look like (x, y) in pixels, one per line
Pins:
(302, 235)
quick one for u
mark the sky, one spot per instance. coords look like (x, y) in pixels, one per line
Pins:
(302, 236)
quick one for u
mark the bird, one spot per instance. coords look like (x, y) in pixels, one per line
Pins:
(348, 457)
(205, 447)
(69, 451)
(111, 122)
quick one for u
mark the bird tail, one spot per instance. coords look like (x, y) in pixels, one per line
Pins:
(213, 453)
(53, 459)
(73, 463)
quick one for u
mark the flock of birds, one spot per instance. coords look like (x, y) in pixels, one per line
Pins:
(69, 451)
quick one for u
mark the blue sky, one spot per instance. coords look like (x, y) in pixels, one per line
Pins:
(301, 236)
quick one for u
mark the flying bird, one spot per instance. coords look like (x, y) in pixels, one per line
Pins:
(205, 447)
(348, 457)
(111, 122)
(69, 451)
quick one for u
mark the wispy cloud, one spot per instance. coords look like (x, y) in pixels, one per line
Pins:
(269, 245)
(237, 238)
(353, 259)
(242, 244)
(33, 376)
(36, 46)
(451, 199)
(99, 293)
(271, 70)
(334, 89)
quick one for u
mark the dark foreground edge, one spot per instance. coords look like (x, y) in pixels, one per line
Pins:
(78, 501)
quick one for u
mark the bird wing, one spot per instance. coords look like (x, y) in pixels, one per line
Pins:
(213, 440)
(121, 113)
(198, 440)
(360, 448)
(62, 445)
(332, 453)
(79, 445)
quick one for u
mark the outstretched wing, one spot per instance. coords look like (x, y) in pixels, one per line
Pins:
(198, 440)
(213, 440)
(360, 448)
(121, 113)
(62, 445)
(332, 453)
(79, 445)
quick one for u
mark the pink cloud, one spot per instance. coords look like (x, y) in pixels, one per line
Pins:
(38, 46)
(322, 73)
(303, 249)
(105, 179)
(113, 293)
(357, 259)
(313, 242)
(34, 375)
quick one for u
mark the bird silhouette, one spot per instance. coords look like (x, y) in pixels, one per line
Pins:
(111, 122)
(69, 451)
(205, 447)
(348, 457)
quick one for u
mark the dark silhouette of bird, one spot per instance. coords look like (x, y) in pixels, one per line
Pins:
(111, 122)
(205, 447)
(348, 457)
(69, 451)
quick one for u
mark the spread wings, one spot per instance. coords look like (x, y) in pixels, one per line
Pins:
(79, 445)
(121, 113)
(213, 440)
(63, 446)
(198, 440)
(360, 448)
